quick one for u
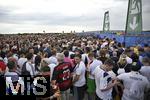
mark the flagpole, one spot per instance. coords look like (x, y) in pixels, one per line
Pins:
(126, 23)
(104, 22)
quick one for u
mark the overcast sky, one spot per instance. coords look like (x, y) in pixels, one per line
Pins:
(65, 15)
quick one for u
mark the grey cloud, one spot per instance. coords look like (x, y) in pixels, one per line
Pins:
(95, 19)
(7, 16)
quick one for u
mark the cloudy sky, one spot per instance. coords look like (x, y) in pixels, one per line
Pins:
(64, 15)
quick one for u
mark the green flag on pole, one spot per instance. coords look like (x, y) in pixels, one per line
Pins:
(134, 17)
(106, 23)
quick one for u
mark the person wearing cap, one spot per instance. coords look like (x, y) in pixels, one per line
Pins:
(62, 76)
(134, 84)
(104, 82)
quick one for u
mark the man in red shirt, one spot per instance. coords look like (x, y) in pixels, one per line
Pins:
(62, 76)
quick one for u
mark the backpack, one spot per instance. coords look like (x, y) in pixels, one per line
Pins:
(24, 70)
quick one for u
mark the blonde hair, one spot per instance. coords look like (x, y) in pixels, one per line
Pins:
(122, 59)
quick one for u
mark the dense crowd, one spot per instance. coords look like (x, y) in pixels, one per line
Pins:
(72, 66)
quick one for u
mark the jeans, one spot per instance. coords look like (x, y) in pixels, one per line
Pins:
(97, 98)
(79, 92)
(65, 94)
(91, 96)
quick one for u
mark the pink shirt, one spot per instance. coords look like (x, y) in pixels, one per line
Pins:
(66, 59)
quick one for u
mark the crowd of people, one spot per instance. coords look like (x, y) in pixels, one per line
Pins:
(72, 66)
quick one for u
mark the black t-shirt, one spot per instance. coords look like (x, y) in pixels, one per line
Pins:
(127, 68)
(2, 86)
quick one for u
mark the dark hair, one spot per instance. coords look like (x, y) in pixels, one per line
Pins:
(37, 61)
(135, 57)
(72, 56)
(91, 54)
(127, 50)
(102, 52)
(11, 64)
(141, 49)
(30, 48)
(145, 45)
(53, 52)
(22, 52)
(66, 53)
(146, 60)
(135, 66)
(29, 56)
(87, 49)
(78, 55)
(109, 62)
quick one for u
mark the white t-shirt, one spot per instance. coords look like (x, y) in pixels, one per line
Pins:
(92, 67)
(30, 68)
(84, 56)
(102, 79)
(145, 71)
(104, 44)
(134, 85)
(21, 61)
(129, 60)
(80, 70)
(112, 74)
(51, 66)
(34, 55)
(53, 60)
(6, 60)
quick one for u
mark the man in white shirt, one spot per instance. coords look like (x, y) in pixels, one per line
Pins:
(79, 78)
(134, 84)
(21, 60)
(28, 69)
(103, 80)
(51, 65)
(85, 58)
(53, 58)
(90, 77)
(145, 71)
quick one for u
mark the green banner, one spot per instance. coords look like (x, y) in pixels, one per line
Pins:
(106, 23)
(134, 17)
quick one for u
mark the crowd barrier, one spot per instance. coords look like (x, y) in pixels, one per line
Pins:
(130, 40)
